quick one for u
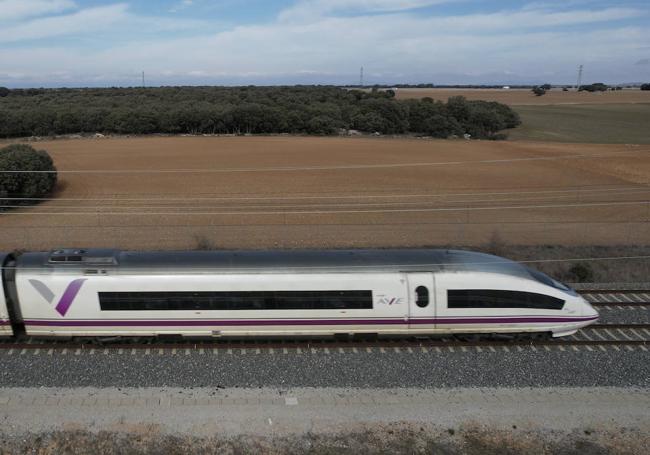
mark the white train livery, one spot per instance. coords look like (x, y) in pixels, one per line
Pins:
(100, 293)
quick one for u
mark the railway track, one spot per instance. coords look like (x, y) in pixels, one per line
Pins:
(617, 297)
(595, 335)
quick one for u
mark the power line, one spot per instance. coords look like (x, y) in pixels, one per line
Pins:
(260, 225)
(321, 168)
(438, 264)
(578, 191)
(325, 212)
(188, 208)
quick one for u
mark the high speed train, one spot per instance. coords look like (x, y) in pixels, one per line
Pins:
(112, 293)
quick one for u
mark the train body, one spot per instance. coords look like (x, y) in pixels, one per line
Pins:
(100, 293)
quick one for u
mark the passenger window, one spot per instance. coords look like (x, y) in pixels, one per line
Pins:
(422, 296)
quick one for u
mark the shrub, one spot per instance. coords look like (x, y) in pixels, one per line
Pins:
(496, 245)
(481, 119)
(23, 157)
(645, 86)
(4, 91)
(581, 272)
(597, 87)
(539, 91)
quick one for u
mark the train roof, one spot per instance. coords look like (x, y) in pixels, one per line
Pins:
(387, 260)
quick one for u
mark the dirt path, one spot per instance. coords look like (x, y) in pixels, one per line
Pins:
(486, 420)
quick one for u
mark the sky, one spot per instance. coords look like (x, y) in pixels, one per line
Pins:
(79, 43)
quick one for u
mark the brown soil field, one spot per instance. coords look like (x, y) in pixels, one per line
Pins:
(272, 192)
(522, 97)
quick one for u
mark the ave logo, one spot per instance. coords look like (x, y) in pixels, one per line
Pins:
(385, 300)
(68, 296)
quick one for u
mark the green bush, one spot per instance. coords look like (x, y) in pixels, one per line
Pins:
(4, 91)
(597, 87)
(23, 157)
(581, 272)
(539, 91)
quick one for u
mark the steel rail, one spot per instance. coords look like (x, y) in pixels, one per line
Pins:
(617, 326)
(609, 296)
(32, 344)
(309, 346)
(613, 291)
(615, 303)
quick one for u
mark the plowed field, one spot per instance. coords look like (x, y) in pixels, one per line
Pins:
(254, 192)
(516, 97)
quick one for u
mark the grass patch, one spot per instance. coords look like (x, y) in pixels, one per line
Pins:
(586, 123)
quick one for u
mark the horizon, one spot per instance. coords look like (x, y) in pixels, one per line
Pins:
(395, 86)
(104, 43)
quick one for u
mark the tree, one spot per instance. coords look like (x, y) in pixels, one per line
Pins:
(322, 124)
(254, 110)
(432, 119)
(38, 184)
(539, 91)
(645, 86)
(4, 91)
(597, 87)
(546, 86)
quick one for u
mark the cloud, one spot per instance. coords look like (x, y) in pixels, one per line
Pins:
(181, 5)
(393, 46)
(11, 10)
(113, 18)
(643, 61)
(87, 20)
(311, 9)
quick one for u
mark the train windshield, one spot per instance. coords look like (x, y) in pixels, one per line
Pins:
(547, 280)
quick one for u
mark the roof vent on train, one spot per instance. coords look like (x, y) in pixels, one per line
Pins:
(83, 256)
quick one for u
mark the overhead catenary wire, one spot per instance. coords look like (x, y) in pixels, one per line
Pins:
(323, 212)
(573, 191)
(188, 207)
(337, 224)
(321, 168)
(434, 264)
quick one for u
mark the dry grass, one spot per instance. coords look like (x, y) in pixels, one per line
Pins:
(397, 439)
(289, 192)
(587, 123)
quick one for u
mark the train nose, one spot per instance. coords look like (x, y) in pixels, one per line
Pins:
(589, 311)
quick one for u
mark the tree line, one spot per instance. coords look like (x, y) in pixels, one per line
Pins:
(320, 110)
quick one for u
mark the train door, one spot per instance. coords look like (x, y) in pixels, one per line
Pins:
(422, 305)
(5, 317)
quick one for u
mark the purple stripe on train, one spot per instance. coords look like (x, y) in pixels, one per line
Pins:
(294, 322)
